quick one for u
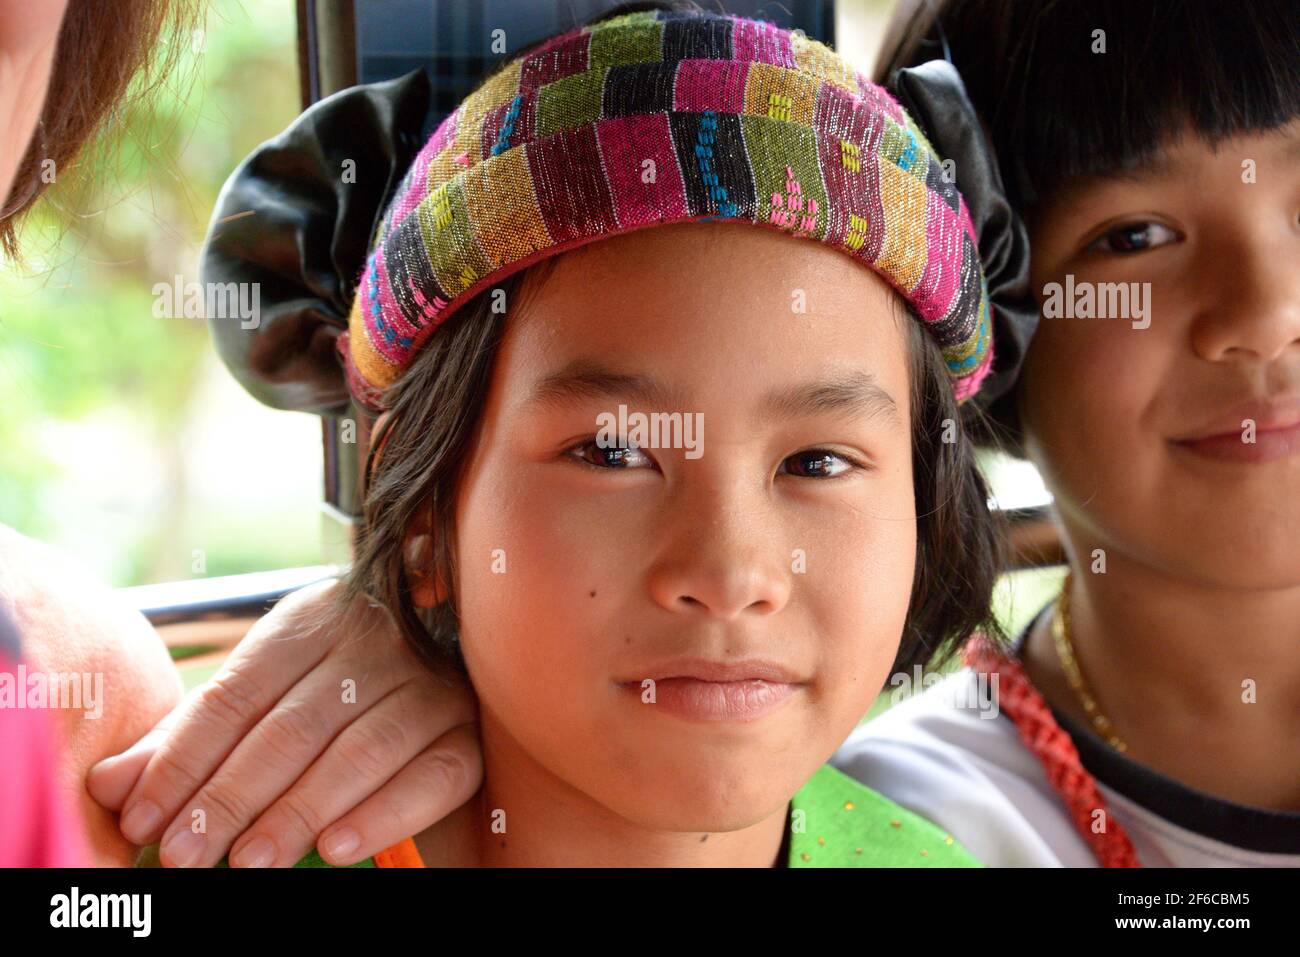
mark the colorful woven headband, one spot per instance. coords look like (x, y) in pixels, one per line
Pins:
(741, 119)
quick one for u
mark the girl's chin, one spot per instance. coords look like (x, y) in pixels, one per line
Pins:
(697, 790)
(682, 810)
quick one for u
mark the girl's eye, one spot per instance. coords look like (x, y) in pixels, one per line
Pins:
(817, 463)
(613, 458)
(1133, 238)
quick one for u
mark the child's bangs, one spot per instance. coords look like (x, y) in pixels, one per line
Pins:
(1077, 89)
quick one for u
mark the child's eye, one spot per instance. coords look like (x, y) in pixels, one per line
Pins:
(1133, 238)
(818, 463)
(612, 458)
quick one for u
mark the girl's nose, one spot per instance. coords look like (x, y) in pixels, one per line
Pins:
(723, 559)
(1256, 315)
(720, 588)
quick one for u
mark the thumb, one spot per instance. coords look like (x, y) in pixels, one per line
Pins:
(111, 780)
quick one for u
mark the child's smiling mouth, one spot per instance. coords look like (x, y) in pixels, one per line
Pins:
(1253, 433)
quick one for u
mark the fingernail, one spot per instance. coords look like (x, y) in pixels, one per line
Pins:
(183, 848)
(259, 852)
(340, 843)
(140, 820)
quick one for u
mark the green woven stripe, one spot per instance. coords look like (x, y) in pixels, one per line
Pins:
(893, 140)
(450, 245)
(641, 42)
(570, 102)
(774, 144)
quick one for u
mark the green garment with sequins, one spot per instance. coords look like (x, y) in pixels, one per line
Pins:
(837, 822)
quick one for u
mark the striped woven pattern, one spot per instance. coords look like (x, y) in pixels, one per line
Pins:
(653, 118)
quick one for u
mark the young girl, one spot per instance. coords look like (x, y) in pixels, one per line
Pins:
(670, 631)
(1154, 706)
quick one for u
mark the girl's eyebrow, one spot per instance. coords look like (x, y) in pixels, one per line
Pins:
(856, 392)
(853, 392)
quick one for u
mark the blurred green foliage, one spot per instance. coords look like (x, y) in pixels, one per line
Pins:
(86, 369)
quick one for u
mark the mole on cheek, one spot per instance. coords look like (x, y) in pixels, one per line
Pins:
(593, 593)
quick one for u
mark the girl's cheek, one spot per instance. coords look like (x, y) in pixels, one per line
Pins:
(1087, 382)
(531, 554)
(857, 589)
(522, 567)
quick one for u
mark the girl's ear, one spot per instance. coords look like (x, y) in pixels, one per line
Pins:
(427, 586)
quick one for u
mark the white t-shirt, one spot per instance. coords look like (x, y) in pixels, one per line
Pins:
(966, 770)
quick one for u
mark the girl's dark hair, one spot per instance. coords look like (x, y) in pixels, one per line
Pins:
(434, 412)
(1055, 110)
(101, 51)
(414, 469)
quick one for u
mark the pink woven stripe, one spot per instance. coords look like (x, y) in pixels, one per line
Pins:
(838, 111)
(393, 318)
(967, 225)
(572, 192)
(562, 56)
(878, 100)
(417, 186)
(856, 216)
(756, 42)
(969, 384)
(710, 85)
(941, 281)
(626, 142)
(444, 134)
(415, 189)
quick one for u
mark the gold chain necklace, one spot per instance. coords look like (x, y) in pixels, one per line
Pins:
(1065, 651)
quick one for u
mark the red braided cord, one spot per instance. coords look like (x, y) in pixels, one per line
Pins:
(1051, 744)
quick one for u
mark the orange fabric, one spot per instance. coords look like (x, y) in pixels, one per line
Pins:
(401, 854)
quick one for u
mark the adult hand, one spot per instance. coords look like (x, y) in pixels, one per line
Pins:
(279, 756)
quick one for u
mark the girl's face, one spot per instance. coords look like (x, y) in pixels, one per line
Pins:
(1178, 444)
(780, 544)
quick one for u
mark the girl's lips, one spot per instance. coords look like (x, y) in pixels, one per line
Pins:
(698, 700)
(1276, 424)
(1269, 445)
